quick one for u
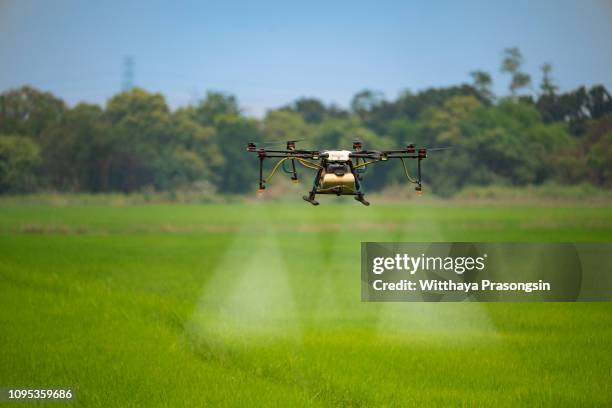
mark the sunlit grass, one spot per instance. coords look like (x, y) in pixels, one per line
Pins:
(168, 305)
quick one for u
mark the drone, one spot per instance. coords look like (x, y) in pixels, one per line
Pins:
(338, 172)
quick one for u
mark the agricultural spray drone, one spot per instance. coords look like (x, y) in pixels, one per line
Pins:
(339, 172)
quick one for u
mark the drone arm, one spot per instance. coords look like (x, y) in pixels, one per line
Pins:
(261, 181)
(294, 176)
(402, 156)
(419, 187)
(366, 155)
(389, 152)
(305, 154)
(290, 156)
(377, 157)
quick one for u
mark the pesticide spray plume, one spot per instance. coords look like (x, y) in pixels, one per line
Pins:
(437, 322)
(248, 300)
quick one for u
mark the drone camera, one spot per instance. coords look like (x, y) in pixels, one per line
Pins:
(422, 153)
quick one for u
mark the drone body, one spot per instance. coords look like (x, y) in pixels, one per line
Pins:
(339, 172)
(337, 176)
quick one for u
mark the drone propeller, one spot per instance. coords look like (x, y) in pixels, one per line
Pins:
(281, 142)
(434, 149)
(289, 144)
(411, 147)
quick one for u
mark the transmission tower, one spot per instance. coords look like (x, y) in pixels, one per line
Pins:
(128, 73)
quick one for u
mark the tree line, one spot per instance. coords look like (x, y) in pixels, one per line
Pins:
(532, 135)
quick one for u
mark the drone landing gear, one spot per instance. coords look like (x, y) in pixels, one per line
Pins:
(310, 198)
(311, 195)
(360, 197)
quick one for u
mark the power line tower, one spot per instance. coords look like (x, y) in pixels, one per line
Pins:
(128, 73)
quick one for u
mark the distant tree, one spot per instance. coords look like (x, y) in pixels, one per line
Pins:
(281, 125)
(27, 111)
(141, 138)
(215, 104)
(311, 109)
(599, 102)
(547, 85)
(336, 112)
(410, 105)
(505, 144)
(340, 134)
(19, 163)
(511, 64)
(137, 142)
(239, 173)
(576, 107)
(314, 110)
(482, 82)
(598, 150)
(404, 131)
(441, 125)
(599, 160)
(75, 148)
(200, 144)
(365, 101)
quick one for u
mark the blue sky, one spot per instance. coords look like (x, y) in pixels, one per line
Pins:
(271, 52)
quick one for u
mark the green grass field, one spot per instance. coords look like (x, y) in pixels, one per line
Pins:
(259, 305)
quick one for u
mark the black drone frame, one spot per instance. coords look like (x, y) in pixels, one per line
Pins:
(375, 156)
(291, 152)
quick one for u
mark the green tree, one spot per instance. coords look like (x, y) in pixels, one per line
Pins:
(27, 111)
(239, 172)
(511, 64)
(74, 149)
(202, 143)
(19, 163)
(482, 83)
(599, 160)
(279, 125)
(598, 151)
(547, 86)
(365, 102)
(442, 124)
(311, 109)
(215, 104)
(142, 139)
(404, 131)
(410, 105)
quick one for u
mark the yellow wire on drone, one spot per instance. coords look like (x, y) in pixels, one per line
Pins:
(309, 164)
(274, 169)
(303, 162)
(406, 172)
(365, 164)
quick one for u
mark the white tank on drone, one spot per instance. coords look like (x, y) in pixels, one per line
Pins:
(338, 155)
